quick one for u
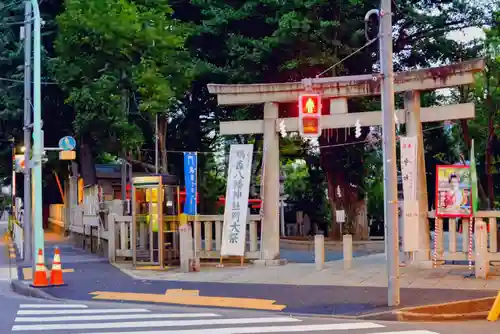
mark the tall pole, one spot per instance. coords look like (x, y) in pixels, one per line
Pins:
(37, 132)
(27, 227)
(389, 147)
(13, 182)
(156, 146)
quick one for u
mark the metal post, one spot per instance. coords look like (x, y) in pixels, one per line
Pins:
(13, 182)
(156, 145)
(37, 132)
(27, 227)
(389, 156)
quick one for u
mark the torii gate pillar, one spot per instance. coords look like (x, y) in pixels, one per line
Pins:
(414, 129)
(270, 243)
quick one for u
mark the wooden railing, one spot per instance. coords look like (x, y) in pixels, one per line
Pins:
(207, 232)
(454, 246)
(451, 245)
(56, 214)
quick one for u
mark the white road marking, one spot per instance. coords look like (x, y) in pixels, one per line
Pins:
(267, 329)
(415, 331)
(152, 324)
(53, 306)
(116, 317)
(88, 311)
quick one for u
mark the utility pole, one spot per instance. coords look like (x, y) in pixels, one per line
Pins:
(389, 156)
(156, 146)
(37, 133)
(27, 227)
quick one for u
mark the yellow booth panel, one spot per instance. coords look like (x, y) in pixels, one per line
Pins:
(154, 216)
(154, 222)
(154, 197)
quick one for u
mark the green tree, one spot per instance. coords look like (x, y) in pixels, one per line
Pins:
(119, 61)
(11, 89)
(269, 41)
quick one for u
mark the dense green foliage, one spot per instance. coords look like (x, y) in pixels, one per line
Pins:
(112, 67)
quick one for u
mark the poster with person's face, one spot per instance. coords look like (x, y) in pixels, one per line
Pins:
(453, 191)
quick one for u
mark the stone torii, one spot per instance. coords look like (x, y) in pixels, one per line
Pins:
(338, 90)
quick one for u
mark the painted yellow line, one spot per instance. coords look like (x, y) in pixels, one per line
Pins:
(176, 292)
(28, 273)
(495, 309)
(150, 268)
(191, 297)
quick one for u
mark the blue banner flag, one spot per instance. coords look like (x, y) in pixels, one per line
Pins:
(190, 179)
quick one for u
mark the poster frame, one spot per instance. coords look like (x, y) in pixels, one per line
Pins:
(436, 193)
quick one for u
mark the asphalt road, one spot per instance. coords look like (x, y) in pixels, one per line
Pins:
(19, 314)
(31, 315)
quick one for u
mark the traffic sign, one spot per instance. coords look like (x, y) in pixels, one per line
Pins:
(67, 143)
(67, 155)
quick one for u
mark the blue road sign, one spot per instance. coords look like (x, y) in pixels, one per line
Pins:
(67, 143)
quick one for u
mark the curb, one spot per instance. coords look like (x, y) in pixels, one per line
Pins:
(25, 290)
(479, 309)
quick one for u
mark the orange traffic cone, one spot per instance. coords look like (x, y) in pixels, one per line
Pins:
(40, 276)
(56, 274)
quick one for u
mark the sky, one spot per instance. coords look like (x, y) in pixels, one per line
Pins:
(466, 35)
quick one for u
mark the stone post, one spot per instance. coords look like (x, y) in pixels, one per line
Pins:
(319, 251)
(347, 250)
(481, 248)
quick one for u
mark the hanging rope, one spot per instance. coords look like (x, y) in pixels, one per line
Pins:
(470, 244)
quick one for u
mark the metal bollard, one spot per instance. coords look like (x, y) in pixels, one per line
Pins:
(482, 264)
(319, 251)
(347, 250)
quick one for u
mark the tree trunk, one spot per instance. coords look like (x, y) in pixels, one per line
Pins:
(334, 232)
(468, 142)
(87, 163)
(356, 218)
(489, 154)
(162, 141)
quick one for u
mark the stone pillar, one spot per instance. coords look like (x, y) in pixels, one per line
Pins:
(271, 224)
(185, 244)
(414, 128)
(347, 250)
(319, 251)
(482, 257)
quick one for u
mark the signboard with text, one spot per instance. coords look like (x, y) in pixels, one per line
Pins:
(236, 209)
(453, 191)
(410, 218)
(190, 165)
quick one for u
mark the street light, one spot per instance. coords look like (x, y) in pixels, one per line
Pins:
(23, 149)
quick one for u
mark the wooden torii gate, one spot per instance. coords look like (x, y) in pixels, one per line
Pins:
(338, 90)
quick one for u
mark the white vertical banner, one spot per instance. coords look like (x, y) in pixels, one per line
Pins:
(236, 208)
(410, 205)
(409, 167)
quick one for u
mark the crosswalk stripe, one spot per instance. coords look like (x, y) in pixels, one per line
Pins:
(116, 317)
(89, 311)
(415, 331)
(52, 306)
(152, 324)
(267, 329)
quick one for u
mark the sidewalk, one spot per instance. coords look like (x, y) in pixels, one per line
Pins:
(7, 258)
(293, 288)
